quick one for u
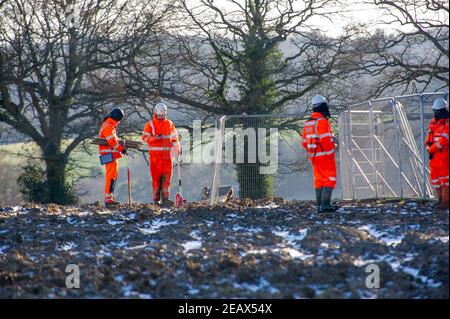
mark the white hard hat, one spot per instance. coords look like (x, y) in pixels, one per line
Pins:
(439, 104)
(318, 99)
(160, 110)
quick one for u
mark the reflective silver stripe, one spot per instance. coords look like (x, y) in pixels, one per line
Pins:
(151, 125)
(322, 153)
(445, 177)
(109, 137)
(159, 148)
(116, 146)
(324, 135)
(146, 134)
(109, 151)
(445, 135)
(311, 135)
(332, 178)
(435, 180)
(165, 137)
(311, 146)
(438, 144)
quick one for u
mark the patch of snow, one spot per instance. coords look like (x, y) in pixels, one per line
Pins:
(193, 244)
(237, 228)
(287, 236)
(193, 291)
(128, 292)
(295, 254)
(68, 246)
(262, 284)
(384, 236)
(269, 206)
(114, 222)
(443, 239)
(195, 234)
(396, 265)
(155, 226)
(103, 253)
(3, 249)
(257, 251)
(138, 247)
(71, 220)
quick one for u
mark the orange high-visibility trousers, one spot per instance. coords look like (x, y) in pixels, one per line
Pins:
(161, 172)
(112, 172)
(439, 169)
(324, 169)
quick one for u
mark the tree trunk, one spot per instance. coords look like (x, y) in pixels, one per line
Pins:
(253, 184)
(55, 171)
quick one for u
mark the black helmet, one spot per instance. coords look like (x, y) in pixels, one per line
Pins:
(116, 114)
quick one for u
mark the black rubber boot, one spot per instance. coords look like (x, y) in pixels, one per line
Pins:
(325, 204)
(318, 197)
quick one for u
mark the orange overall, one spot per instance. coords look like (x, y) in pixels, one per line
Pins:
(160, 135)
(437, 145)
(318, 140)
(108, 132)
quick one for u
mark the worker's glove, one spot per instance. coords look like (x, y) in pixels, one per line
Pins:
(430, 156)
(124, 151)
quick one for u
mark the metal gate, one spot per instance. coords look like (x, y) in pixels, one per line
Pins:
(382, 151)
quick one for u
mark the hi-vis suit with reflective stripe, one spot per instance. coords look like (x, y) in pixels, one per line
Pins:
(160, 135)
(318, 140)
(437, 144)
(108, 132)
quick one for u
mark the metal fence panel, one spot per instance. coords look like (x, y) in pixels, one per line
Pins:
(289, 171)
(383, 152)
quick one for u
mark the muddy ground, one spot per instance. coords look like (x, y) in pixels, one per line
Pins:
(243, 249)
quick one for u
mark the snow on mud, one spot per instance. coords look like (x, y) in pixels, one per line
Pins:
(241, 249)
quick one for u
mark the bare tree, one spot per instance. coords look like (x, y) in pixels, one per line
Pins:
(415, 57)
(230, 61)
(58, 69)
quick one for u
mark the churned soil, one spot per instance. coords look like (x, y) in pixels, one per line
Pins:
(269, 248)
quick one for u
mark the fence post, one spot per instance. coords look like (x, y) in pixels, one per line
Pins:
(397, 141)
(350, 145)
(372, 146)
(422, 145)
(217, 161)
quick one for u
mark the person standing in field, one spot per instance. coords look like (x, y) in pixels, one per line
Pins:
(437, 147)
(109, 154)
(319, 142)
(162, 138)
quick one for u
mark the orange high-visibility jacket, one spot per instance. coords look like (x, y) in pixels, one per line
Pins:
(108, 131)
(317, 137)
(160, 135)
(437, 139)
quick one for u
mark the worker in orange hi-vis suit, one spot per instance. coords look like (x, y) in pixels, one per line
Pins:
(109, 154)
(319, 142)
(161, 136)
(437, 146)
